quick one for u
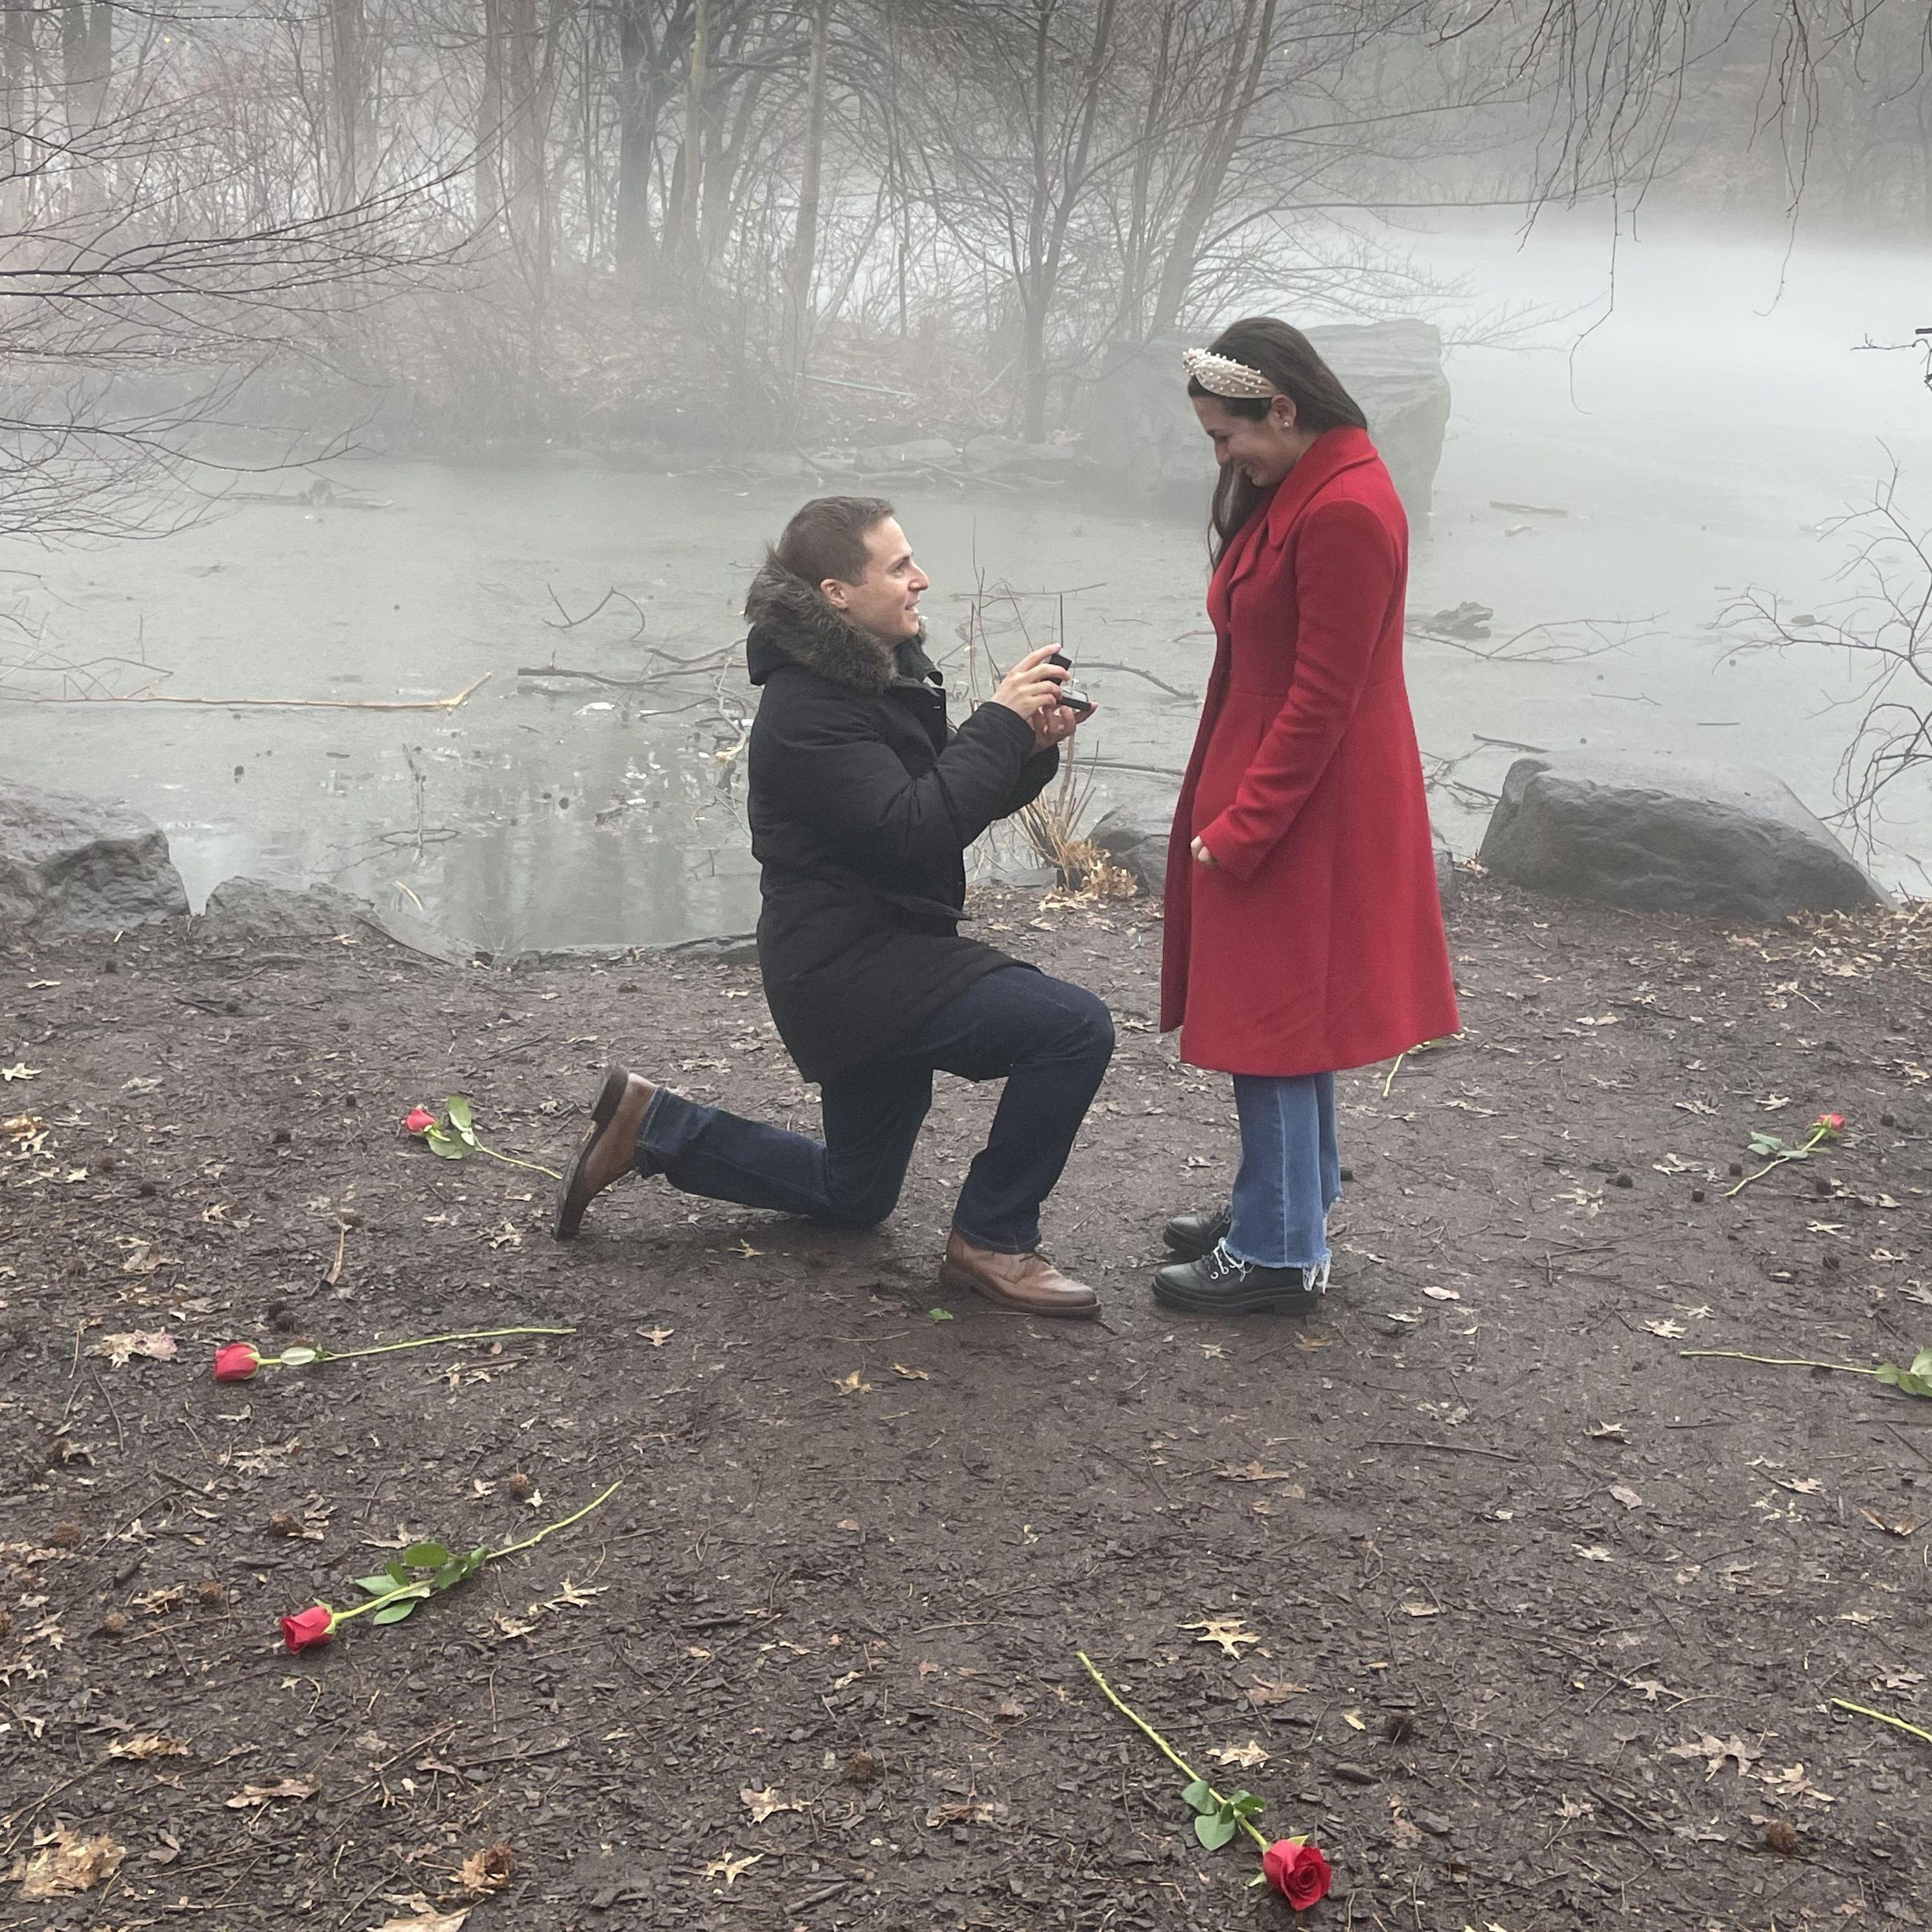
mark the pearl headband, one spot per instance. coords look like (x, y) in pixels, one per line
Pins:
(1222, 375)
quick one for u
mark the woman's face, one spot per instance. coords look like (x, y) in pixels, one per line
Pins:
(1264, 448)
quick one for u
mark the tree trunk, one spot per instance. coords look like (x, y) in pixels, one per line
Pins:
(348, 37)
(693, 158)
(804, 238)
(637, 104)
(1238, 97)
(490, 122)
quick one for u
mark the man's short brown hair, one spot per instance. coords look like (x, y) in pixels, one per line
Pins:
(827, 537)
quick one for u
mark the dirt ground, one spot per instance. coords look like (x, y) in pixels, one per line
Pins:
(1530, 1621)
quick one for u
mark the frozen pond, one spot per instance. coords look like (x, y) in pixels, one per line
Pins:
(1695, 442)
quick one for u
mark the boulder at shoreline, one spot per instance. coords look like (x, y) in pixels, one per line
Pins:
(1657, 833)
(75, 868)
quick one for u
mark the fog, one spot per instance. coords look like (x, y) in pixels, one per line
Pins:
(1661, 410)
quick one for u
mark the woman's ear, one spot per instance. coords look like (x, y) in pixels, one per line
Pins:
(1281, 409)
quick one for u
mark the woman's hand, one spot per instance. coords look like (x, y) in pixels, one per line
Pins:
(1031, 687)
(1204, 856)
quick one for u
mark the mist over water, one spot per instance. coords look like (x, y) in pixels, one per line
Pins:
(1696, 440)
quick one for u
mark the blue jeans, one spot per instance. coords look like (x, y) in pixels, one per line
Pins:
(1050, 1042)
(1290, 1175)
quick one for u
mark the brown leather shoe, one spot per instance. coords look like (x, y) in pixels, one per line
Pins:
(1026, 1284)
(608, 1151)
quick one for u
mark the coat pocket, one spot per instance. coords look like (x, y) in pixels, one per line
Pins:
(1238, 732)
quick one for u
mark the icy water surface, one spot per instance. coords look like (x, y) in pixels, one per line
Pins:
(1694, 444)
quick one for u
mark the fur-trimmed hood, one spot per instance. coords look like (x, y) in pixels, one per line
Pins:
(791, 621)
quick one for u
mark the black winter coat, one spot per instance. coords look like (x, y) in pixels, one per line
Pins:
(862, 805)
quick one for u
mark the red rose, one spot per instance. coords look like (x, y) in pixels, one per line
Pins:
(1832, 1122)
(308, 1628)
(1298, 1872)
(236, 1361)
(419, 1120)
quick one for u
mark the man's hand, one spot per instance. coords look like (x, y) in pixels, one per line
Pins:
(1056, 725)
(1204, 856)
(1031, 687)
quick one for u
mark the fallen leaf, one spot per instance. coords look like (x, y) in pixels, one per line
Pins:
(1791, 1782)
(1625, 1495)
(1441, 1295)
(64, 1863)
(250, 1795)
(1771, 1102)
(144, 1256)
(1801, 1485)
(1354, 1721)
(509, 1235)
(1250, 1756)
(1226, 1631)
(141, 1084)
(853, 1384)
(657, 1337)
(1900, 1526)
(763, 1804)
(1608, 1431)
(155, 1343)
(428, 1920)
(149, 1744)
(1716, 1752)
(1593, 1552)
(1249, 1472)
(750, 1253)
(20, 1070)
(731, 1869)
(1575, 1807)
(1422, 1610)
(1667, 1330)
(1264, 1692)
(487, 1870)
(912, 1375)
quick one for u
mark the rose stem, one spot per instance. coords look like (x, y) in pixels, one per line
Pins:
(511, 1160)
(1884, 1718)
(1161, 1744)
(576, 1515)
(1782, 1361)
(430, 1341)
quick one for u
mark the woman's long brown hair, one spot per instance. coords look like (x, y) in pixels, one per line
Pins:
(1287, 359)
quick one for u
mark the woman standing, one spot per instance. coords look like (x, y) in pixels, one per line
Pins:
(1304, 932)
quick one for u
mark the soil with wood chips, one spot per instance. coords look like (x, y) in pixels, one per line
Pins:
(1529, 1620)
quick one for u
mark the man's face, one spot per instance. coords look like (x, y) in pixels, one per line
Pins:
(885, 600)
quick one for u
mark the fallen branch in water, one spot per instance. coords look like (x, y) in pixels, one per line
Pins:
(271, 704)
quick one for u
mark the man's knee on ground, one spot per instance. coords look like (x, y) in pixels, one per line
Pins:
(858, 1209)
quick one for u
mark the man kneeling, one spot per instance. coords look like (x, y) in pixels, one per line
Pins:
(863, 805)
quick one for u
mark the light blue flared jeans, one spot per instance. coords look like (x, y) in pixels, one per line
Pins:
(1290, 1175)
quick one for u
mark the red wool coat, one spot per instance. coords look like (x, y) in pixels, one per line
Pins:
(1316, 943)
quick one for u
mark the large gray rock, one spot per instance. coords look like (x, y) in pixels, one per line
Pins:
(1135, 837)
(1146, 440)
(74, 867)
(244, 911)
(1662, 834)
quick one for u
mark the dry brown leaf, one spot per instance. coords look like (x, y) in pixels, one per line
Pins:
(64, 1863)
(763, 1804)
(854, 1383)
(155, 1343)
(268, 1794)
(1227, 1632)
(488, 1870)
(1279, 1692)
(148, 1744)
(431, 1921)
(1249, 1472)
(1250, 1756)
(1716, 1752)
(912, 1375)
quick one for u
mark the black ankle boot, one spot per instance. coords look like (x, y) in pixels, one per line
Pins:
(1217, 1284)
(1189, 1236)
